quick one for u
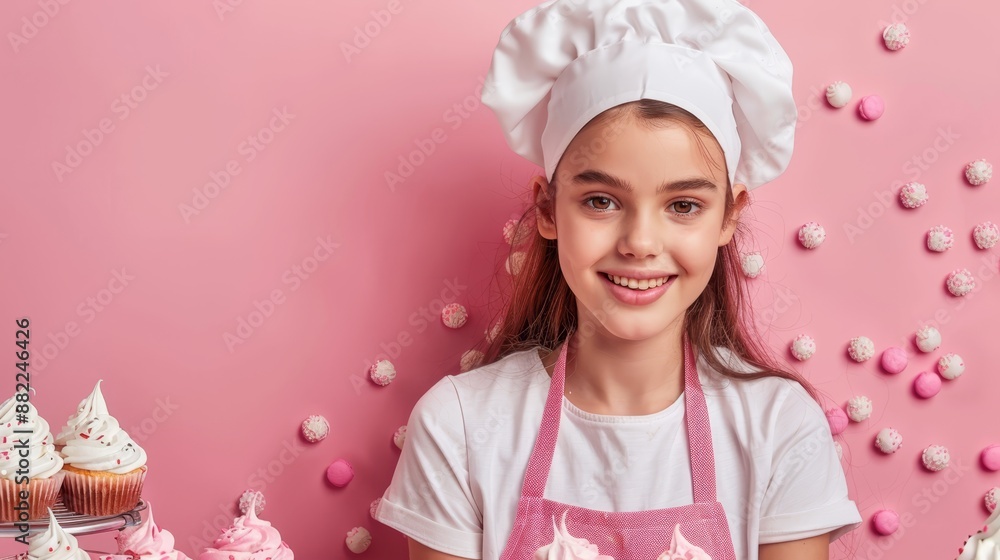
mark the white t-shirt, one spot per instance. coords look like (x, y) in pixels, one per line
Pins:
(457, 483)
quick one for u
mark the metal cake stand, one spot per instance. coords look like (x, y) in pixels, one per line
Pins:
(76, 523)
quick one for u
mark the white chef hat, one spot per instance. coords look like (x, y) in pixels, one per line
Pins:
(563, 62)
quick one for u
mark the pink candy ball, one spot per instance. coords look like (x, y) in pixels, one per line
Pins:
(894, 359)
(927, 384)
(838, 420)
(885, 521)
(871, 107)
(990, 457)
(339, 473)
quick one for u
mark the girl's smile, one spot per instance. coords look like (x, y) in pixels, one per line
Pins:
(642, 292)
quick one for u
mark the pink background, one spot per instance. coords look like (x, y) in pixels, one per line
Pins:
(234, 410)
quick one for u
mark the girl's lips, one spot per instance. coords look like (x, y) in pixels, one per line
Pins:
(636, 297)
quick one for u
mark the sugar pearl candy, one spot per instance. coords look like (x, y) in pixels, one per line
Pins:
(859, 408)
(935, 457)
(247, 497)
(950, 366)
(861, 348)
(514, 235)
(315, 428)
(382, 372)
(811, 235)
(940, 238)
(888, 440)
(928, 338)
(399, 438)
(913, 195)
(990, 499)
(803, 347)
(358, 540)
(986, 235)
(492, 333)
(838, 94)
(515, 262)
(978, 172)
(896, 36)
(454, 315)
(753, 264)
(470, 360)
(961, 282)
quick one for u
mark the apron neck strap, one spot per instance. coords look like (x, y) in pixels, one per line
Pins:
(699, 431)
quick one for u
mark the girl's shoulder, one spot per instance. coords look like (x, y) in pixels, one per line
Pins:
(508, 378)
(511, 387)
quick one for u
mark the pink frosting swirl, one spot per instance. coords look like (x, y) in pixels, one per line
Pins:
(147, 540)
(681, 549)
(249, 538)
(565, 546)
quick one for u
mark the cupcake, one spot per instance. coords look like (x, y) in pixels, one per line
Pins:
(44, 475)
(146, 541)
(87, 409)
(248, 538)
(54, 544)
(104, 468)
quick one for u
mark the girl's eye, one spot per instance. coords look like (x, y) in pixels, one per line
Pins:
(687, 205)
(603, 199)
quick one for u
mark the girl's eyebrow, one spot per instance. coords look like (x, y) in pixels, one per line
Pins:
(597, 176)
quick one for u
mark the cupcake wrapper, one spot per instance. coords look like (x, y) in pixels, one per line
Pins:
(102, 494)
(42, 495)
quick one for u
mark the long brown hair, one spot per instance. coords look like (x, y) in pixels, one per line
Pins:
(539, 309)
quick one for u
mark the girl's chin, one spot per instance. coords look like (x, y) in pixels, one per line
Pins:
(634, 330)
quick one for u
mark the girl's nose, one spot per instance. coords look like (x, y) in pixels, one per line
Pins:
(642, 236)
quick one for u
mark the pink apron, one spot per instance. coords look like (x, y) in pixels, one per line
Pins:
(626, 535)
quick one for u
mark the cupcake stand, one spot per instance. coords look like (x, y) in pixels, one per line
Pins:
(77, 524)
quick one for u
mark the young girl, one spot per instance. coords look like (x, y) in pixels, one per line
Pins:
(626, 409)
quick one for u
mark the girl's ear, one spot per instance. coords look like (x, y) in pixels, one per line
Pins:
(740, 198)
(545, 207)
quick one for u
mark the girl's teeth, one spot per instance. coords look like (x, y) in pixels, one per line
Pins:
(637, 284)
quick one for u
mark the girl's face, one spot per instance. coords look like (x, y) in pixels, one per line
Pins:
(609, 217)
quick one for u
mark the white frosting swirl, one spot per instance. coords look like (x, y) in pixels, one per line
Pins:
(565, 546)
(985, 544)
(54, 544)
(681, 549)
(101, 445)
(87, 409)
(43, 460)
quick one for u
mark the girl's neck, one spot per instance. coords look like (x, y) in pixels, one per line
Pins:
(616, 377)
